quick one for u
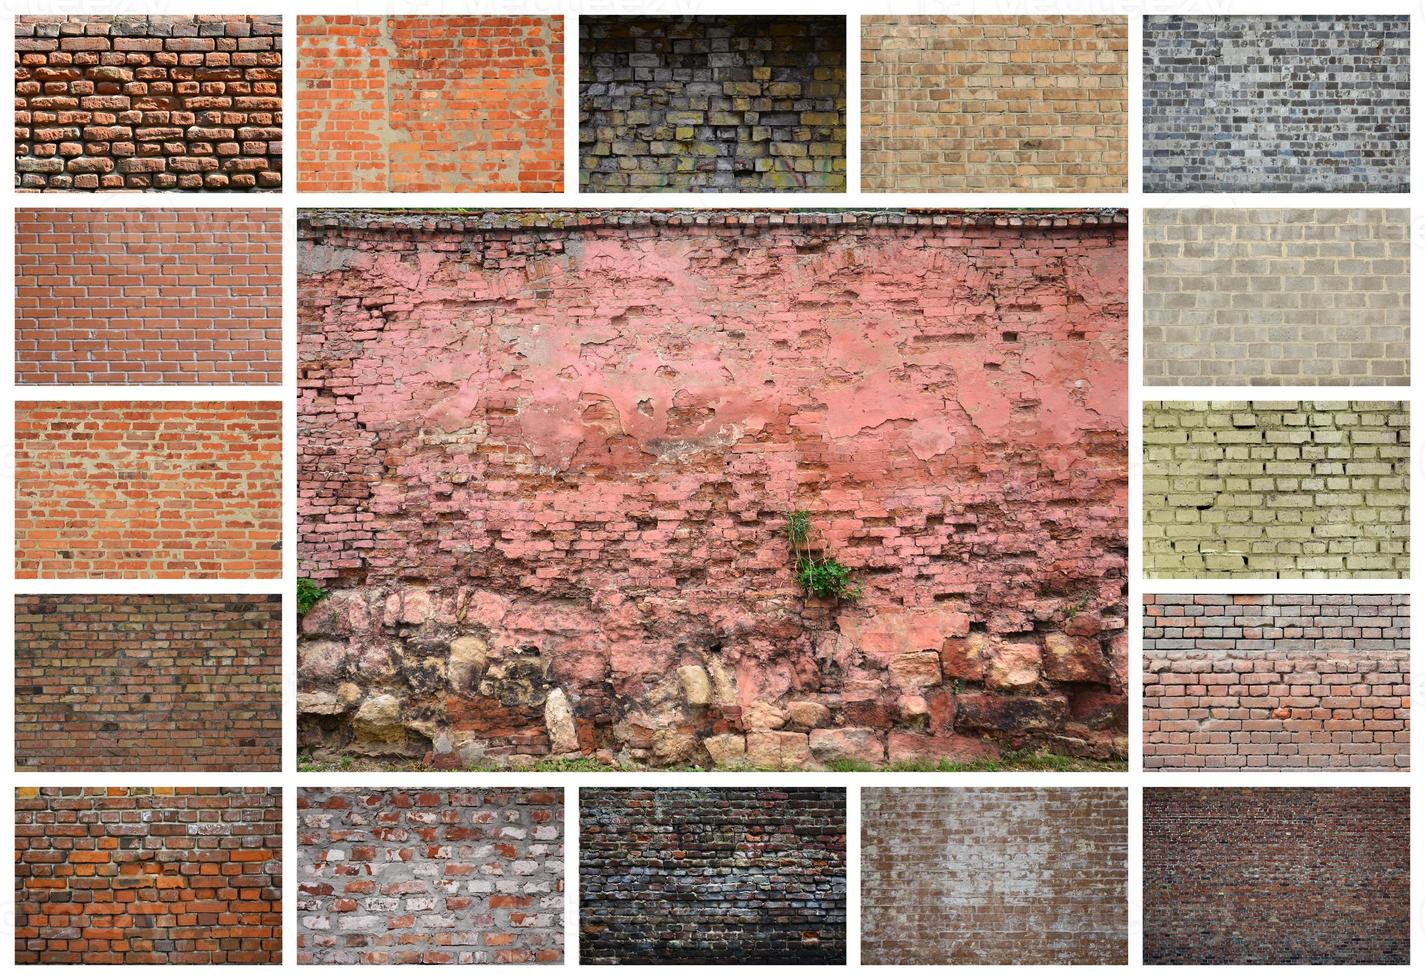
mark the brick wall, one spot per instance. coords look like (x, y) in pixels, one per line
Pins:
(1276, 876)
(148, 103)
(994, 104)
(1276, 682)
(945, 393)
(1271, 296)
(712, 104)
(1276, 489)
(712, 876)
(148, 682)
(154, 296)
(1270, 103)
(430, 104)
(994, 876)
(148, 876)
(148, 489)
(391, 876)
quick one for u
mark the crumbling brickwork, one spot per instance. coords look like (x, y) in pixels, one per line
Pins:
(1259, 489)
(994, 104)
(153, 296)
(994, 876)
(1237, 104)
(148, 489)
(1276, 876)
(1276, 296)
(135, 683)
(1276, 682)
(692, 104)
(712, 876)
(136, 102)
(546, 462)
(434, 104)
(395, 876)
(145, 876)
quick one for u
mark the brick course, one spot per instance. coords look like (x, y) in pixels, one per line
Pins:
(944, 391)
(691, 104)
(154, 296)
(994, 876)
(145, 876)
(433, 104)
(1276, 103)
(1276, 876)
(1276, 682)
(148, 489)
(395, 876)
(994, 104)
(712, 876)
(139, 103)
(1276, 489)
(148, 682)
(1276, 296)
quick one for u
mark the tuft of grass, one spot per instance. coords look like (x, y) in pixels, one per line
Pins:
(1022, 760)
(309, 593)
(823, 577)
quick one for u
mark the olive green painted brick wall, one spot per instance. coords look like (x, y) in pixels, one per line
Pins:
(1276, 489)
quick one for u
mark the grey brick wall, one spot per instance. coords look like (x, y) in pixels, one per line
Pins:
(1276, 682)
(1276, 296)
(1262, 489)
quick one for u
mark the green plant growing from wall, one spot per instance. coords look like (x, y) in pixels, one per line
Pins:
(819, 575)
(309, 593)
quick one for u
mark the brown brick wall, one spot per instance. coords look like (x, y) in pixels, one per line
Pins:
(154, 296)
(148, 876)
(148, 682)
(148, 489)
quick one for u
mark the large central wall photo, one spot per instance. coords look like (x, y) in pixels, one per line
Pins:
(559, 471)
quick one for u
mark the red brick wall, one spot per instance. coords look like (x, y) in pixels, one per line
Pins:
(135, 102)
(430, 103)
(148, 489)
(561, 448)
(148, 682)
(148, 876)
(154, 296)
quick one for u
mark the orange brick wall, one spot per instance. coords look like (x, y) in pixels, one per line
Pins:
(430, 103)
(148, 489)
(155, 296)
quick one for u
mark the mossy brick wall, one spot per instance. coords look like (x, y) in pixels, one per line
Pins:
(712, 104)
(144, 876)
(191, 103)
(1276, 296)
(430, 104)
(1276, 682)
(712, 876)
(994, 104)
(1286, 489)
(983, 877)
(1237, 104)
(153, 296)
(148, 489)
(1276, 876)
(148, 682)
(546, 460)
(435, 876)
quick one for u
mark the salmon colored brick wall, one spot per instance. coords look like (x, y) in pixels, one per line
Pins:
(546, 460)
(144, 876)
(148, 489)
(430, 104)
(153, 296)
(148, 682)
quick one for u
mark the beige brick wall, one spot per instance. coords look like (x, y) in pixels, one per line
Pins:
(1276, 296)
(1259, 489)
(994, 104)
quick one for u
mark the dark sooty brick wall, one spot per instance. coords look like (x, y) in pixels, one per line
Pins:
(1276, 875)
(712, 876)
(1234, 104)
